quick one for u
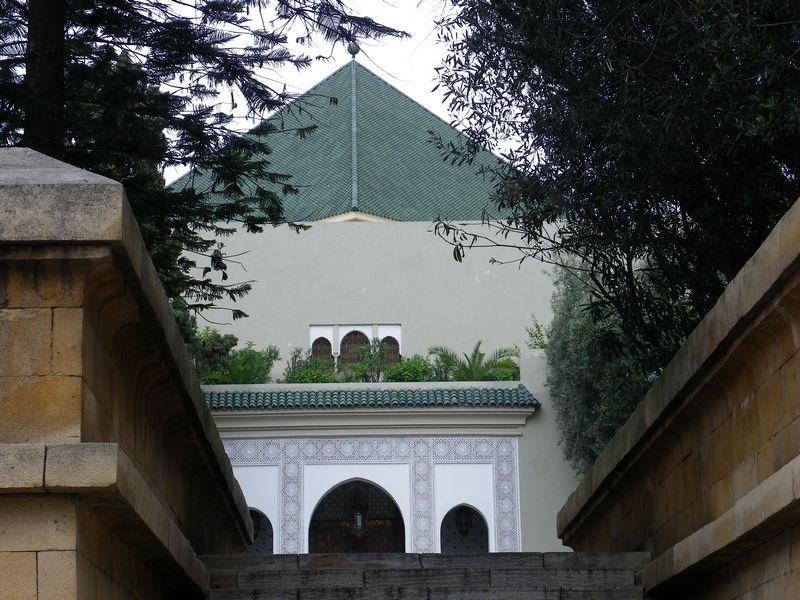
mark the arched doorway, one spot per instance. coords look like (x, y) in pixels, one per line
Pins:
(356, 516)
(262, 534)
(464, 530)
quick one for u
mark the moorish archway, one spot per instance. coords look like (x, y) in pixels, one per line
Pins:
(262, 534)
(356, 516)
(464, 530)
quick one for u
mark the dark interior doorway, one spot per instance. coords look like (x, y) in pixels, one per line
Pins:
(464, 530)
(262, 534)
(356, 516)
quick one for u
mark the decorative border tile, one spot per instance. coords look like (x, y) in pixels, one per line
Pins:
(422, 453)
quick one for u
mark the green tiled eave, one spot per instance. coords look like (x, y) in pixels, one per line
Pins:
(228, 398)
(401, 174)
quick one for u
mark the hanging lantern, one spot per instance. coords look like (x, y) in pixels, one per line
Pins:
(357, 521)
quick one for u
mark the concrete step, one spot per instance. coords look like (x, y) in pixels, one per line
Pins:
(389, 593)
(510, 576)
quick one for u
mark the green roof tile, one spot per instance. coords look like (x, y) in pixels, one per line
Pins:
(401, 174)
(228, 398)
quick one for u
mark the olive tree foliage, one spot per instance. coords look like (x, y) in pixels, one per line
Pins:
(593, 390)
(127, 88)
(656, 141)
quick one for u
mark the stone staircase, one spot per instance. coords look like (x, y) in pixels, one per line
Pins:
(523, 576)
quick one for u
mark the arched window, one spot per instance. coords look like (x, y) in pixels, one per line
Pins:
(356, 516)
(391, 348)
(464, 530)
(349, 352)
(321, 349)
(262, 534)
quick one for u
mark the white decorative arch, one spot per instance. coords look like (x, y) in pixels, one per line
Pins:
(296, 464)
(345, 329)
(320, 480)
(321, 331)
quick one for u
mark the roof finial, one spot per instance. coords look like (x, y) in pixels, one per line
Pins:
(352, 48)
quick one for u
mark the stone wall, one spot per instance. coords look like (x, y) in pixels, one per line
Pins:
(112, 475)
(706, 473)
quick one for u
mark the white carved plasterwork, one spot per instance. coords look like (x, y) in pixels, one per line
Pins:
(421, 453)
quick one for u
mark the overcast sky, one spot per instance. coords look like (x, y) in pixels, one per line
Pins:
(408, 64)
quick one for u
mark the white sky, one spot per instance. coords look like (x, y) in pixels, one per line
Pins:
(408, 64)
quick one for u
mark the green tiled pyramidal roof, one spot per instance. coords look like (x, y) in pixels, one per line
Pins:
(333, 396)
(401, 175)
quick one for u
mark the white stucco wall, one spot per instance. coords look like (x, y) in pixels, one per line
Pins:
(546, 478)
(260, 485)
(382, 273)
(469, 484)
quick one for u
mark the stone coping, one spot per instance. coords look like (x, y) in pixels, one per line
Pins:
(611, 561)
(754, 287)
(103, 476)
(755, 518)
(46, 201)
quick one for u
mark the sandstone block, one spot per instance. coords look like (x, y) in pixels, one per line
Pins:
(254, 562)
(596, 560)
(359, 561)
(78, 467)
(458, 578)
(37, 522)
(87, 583)
(788, 229)
(18, 576)
(302, 579)
(570, 579)
(46, 276)
(57, 575)
(94, 538)
(40, 409)
(21, 468)
(25, 341)
(67, 338)
(478, 561)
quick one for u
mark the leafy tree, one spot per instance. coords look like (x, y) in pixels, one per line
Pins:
(129, 87)
(658, 142)
(537, 335)
(218, 361)
(209, 352)
(302, 368)
(593, 390)
(370, 366)
(248, 365)
(475, 366)
(414, 368)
